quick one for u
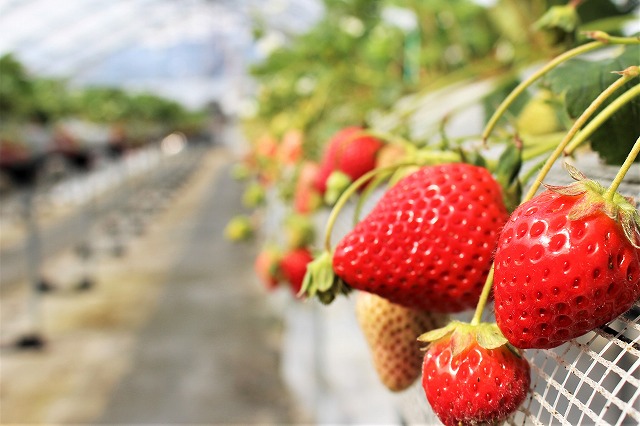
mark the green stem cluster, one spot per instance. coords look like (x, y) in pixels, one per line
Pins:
(502, 108)
(602, 39)
(591, 109)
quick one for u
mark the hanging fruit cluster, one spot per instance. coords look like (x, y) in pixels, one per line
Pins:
(451, 231)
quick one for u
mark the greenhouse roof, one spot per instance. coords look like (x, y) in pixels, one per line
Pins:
(142, 43)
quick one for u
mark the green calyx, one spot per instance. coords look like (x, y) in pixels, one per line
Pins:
(337, 183)
(463, 335)
(320, 281)
(597, 199)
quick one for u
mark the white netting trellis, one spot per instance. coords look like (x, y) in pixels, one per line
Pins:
(593, 380)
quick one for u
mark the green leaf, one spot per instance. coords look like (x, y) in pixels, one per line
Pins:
(563, 17)
(493, 100)
(581, 81)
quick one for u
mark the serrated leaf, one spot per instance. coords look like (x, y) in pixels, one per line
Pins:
(581, 81)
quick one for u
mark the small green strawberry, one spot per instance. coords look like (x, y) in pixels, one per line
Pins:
(299, 231)
(337, 183)
(471, 376)
(391, 331)
(254, 195)
(239, 228)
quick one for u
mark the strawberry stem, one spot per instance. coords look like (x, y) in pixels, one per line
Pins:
(611, 191)
(391, 138)
(604, 115)
(602, 39)
(593, 107)
(502, 108)
(609, 39)
(484, 297)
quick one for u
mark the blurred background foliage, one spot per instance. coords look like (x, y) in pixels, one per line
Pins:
(365, 55)
(27, 98)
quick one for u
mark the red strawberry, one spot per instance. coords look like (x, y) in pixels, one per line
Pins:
(391, 331)
(266, 146)
(290, 149)
(306, 197)
(293, 267)
(350, 151)
(428, 243)
(266, 266)
(565, 266)
(470, 379)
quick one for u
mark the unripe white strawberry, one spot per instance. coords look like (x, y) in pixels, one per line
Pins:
(391, 331)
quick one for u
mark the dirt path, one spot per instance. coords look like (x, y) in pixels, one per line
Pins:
(176, 332)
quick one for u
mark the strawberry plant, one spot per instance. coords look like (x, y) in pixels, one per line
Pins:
(582, 272)
(553, 230)
(452, 229)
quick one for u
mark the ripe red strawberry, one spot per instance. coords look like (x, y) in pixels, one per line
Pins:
(350, 151)
(293, 267)
(428, 243)
(470, 382)
(290, 149)
(266, 146)
(306, 198)
(266, 266)
(391, 331)
(566, 264)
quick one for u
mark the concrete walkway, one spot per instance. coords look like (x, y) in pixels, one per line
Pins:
(210, 352)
